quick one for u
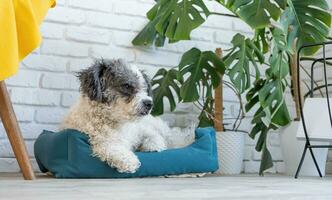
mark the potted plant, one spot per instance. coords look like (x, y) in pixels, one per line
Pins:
(276, 25)
(230, 142)
(208, 86)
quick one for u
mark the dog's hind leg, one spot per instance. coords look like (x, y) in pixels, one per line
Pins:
(153, 143)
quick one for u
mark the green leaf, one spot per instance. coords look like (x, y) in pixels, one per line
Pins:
(261, 40)
(252, 95)
(194, 65)
(165, 83)
(268, 95)
(261, 145)
(272, 100)
(204, 118)
(149, 36)
(271, 114)
(282, 3)
(238, 62)
(180, 18)
(279, 65)
(261, 140)
(281, 117)
(266, 160)
(255, 130)
(256, 13)
(308, 21)
(174, 19)
(279, 37)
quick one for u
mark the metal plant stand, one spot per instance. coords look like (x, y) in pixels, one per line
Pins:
(308, 145)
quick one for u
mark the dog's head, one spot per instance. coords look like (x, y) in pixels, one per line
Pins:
(116, 84)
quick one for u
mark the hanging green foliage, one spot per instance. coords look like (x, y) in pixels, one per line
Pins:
(276, 25)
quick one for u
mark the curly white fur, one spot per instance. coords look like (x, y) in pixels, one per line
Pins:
(114, 137)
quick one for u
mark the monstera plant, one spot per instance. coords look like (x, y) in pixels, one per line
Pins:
(280, 27)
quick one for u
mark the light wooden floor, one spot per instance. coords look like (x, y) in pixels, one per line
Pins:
(222, 188)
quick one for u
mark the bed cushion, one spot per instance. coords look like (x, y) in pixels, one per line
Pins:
(67, 154)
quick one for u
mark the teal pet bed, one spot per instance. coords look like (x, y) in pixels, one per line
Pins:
(67, 154)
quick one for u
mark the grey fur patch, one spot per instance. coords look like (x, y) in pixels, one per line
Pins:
(107, 80)
(148, 83)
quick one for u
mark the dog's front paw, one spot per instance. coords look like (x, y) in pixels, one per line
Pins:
(131, 167)
(126, 164)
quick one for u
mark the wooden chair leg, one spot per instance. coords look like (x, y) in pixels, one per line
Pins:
(14, 133)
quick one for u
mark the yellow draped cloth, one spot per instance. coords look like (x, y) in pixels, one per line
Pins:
(19, 31)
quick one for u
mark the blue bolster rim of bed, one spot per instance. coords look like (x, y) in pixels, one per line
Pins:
(67, 154)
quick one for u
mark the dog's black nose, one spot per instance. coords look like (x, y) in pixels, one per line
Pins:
(148, 104)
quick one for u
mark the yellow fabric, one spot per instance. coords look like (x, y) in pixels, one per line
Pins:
(19, 31)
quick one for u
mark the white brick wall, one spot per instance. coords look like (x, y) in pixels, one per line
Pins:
(77, 31)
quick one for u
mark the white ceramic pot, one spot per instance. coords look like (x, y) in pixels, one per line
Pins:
(292, 149)
(230, 146)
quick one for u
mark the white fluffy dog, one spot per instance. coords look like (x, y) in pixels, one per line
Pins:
(113, 110)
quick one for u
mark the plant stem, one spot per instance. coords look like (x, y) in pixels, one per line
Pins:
(241, 114)
(225, 6)
(224, 14)
(218, 101)
(200, 104)
(296, 87)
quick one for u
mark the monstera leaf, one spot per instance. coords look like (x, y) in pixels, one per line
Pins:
(194, 65)
(174, 19)
(303, 21)
(149, 35)
(268, 95)
(205, 119)
(279, 65)
(206, 116)
(272, 100)
(272, 113)
(256, 13)
(261, 40)
(308, 21)
(238, 62)
(164, 83)
(261, 146)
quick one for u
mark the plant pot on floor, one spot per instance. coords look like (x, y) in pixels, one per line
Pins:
(292, 150)
(230, 146)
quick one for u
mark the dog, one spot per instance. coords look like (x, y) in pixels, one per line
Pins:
(114, 111)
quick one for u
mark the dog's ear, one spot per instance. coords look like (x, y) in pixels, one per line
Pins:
(148, 82)
(91, 81)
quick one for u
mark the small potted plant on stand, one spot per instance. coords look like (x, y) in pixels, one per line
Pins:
(230, 143)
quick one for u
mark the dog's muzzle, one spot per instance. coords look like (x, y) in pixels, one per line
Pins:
(146, 107)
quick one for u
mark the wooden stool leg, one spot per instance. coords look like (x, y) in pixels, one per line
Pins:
(14, 133)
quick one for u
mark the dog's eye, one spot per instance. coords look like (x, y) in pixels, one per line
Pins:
(126, 86)
(127, 90)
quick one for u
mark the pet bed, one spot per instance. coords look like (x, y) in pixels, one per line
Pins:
(67, 154)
